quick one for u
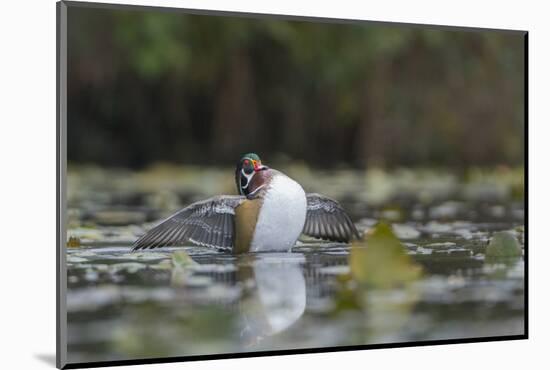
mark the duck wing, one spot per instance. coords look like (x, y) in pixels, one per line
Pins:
(326, 219)
(208, 223)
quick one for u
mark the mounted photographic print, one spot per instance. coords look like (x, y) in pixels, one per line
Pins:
(235, 185)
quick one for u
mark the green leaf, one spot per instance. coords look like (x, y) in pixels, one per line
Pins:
(181, 272)
(181, 259)
(381, 260)
(503, 244)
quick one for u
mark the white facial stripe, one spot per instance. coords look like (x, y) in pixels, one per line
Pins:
(248, 178)
(255, 191)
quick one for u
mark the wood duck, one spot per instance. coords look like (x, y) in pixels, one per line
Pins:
(269, 214)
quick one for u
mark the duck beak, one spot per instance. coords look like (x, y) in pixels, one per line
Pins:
(258, 166)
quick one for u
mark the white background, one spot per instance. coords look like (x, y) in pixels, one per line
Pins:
(27, 196)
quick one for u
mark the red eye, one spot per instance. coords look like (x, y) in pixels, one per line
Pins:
(246, 162)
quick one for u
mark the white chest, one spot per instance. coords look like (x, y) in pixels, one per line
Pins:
(282, 216)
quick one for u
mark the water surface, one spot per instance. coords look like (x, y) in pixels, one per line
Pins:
(125, 305)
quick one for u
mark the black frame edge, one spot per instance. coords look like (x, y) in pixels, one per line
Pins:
(61, 122)
(222, 356)
(58, 210)
(526, 184)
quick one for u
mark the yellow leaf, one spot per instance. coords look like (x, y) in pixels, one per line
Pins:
(381, 261)
(73, 242)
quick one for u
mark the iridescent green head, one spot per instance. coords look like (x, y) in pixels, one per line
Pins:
(247, 167)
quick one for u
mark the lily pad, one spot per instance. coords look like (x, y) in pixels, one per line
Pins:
(74, 259)
(503, 244)
(405, 231)
(181, 259)
(130, 267)
(162, 265)
(145, 256)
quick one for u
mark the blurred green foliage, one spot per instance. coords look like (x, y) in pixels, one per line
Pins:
(147, 86)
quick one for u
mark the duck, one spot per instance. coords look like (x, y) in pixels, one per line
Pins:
(270, 213)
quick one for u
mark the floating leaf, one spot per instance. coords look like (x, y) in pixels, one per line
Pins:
(73, 242)
(162, 265)
(87, 233)
(503, 244)
(181, 273)
(180, 259)
(405, 231)
(383, 262)
(147, 256)
(129, 267)
(74, 259)
(392, 213)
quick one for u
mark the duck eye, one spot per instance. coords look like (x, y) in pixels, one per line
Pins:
(248, 170)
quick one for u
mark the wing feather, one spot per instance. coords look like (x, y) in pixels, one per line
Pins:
(326, 219)
(207, 223)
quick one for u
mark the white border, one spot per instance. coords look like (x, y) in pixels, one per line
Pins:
(28, 183)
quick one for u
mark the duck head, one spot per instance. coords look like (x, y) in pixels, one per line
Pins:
(248, 168)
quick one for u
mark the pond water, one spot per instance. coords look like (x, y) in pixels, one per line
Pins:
(160, 303)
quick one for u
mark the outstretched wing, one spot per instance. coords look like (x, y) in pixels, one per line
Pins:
(326, 219)
(209, 223)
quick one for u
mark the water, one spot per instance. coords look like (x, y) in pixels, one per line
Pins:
(124, 305)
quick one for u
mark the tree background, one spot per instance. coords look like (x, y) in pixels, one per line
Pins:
(151, 86)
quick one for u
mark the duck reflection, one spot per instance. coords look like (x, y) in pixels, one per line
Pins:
(275, 295)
